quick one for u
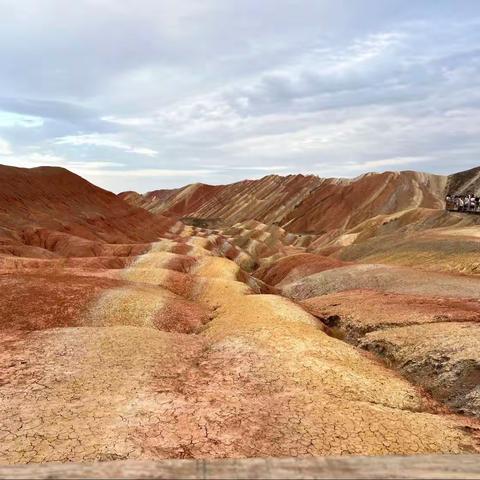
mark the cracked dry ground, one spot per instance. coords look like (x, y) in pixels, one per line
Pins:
(174, 357)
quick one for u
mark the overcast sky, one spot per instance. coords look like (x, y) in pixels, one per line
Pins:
(147, 94)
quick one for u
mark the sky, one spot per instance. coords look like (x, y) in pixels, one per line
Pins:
(148, 94)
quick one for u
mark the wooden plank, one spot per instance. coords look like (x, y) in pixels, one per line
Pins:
(420, 467)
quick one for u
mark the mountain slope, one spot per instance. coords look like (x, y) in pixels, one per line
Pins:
(50, 207)
(298, 203)
(265, 200)
(464, 183)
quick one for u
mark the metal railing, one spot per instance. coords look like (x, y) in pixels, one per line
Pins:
(463, 205)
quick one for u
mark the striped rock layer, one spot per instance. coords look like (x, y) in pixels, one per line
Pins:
(248, 339)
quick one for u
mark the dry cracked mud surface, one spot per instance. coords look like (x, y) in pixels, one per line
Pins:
(126, 334)
(146, 365)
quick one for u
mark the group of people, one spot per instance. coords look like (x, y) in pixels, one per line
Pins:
(463, 203)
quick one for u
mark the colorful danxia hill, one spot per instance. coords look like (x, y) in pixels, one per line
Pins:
(281, 317)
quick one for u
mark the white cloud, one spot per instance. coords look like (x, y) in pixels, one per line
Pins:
(102, 140)
(37, 158)
(5, 148)
(128, 121)
(382, 163)
(149, 152)
(366, 50)
(94, 164)
(34, 159)
(151, 172)
(311, 87)
(264, 168)
(10, 119)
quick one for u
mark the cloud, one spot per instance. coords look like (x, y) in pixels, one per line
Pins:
(384, 163)
(221, 89)
(129, 122)
(9, 120)
(109, 141)
(142, 151)
(153, 172)
(45, 108)
(94, 165)
(265, 168)
(4, 147)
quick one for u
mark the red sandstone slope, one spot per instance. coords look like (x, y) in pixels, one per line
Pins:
(265, 200)
(289, 268)
(186, 199)
(153, 201)
(301, 204)
(46, 201)
(345, 205)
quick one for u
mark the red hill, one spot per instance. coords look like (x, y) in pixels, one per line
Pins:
(46, 201)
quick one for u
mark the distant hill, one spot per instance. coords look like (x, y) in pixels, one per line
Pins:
(299, 203)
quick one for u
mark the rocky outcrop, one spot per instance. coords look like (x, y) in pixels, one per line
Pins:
(428, 239)
(294, 267)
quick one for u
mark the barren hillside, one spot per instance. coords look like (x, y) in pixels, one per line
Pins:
(128, 334)
(298, 203)
(464, 183)
(49, 210)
